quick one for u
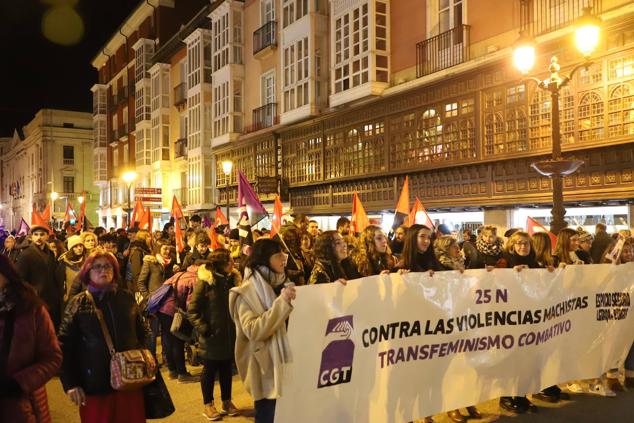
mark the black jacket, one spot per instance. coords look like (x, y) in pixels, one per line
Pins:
(479, 260)
(12, 254)
(601, 242)
(208, 311)
(138, 250)
(192, 257)
(509, 261)
(324, 272)
(86, 357)
(38, 267)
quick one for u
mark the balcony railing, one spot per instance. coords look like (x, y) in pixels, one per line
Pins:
(68, 162)
(542, 16)
(181, 196)
(180, 148)
(442, 51)
(264, 117)
(180, 94)
(265, 36)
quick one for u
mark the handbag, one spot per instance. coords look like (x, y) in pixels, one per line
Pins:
(181, 326)
(131, 369)
(157, 298)
(157, 399)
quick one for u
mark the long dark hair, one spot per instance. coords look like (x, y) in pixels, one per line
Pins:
(325, 253)
(19, 291)
(412, 259)
(262, 251)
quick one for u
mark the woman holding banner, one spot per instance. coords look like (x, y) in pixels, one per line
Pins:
(567, 246)
(374, 256)
(261, 347)
(418, 254)
(332, 261)
(488, 249)
(518, 255)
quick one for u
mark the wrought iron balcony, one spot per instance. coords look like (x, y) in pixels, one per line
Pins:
(180, 148)
(265, 36)
(264, 117)
(443, 51)
(180, 94)
(542, 16)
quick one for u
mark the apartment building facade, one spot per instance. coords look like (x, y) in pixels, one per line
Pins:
(428, 90)
(343, 96)
(52, 153)
(132, 110)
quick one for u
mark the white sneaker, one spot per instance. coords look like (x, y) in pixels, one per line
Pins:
(575, 388)
(601, 390)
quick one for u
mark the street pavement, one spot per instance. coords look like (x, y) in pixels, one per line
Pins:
(188, 401)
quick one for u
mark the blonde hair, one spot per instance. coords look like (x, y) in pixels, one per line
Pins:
(513, 239)
(488, 228)
(87, 234)
(442, 244)
(543, 249)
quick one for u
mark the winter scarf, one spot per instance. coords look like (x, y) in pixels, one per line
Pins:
(494, 249)
(163, 261)
(574, 258)
(454, 263)
(264, 280)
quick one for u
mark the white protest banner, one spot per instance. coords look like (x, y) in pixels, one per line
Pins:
(394, 348)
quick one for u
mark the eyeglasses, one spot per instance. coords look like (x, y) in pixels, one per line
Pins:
(523, 243)
(102, 267)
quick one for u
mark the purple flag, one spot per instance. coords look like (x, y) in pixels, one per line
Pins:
(24, 228)
(249, 199)
(206, 222)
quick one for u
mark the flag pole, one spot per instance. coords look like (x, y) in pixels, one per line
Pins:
(289, 250)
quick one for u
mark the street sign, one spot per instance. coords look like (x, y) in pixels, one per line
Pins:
(148, 191)
(266, 184)
(151, 197)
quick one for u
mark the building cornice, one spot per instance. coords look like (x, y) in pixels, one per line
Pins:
(129, 25)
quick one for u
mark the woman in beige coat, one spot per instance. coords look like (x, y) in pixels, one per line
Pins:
(259, 307)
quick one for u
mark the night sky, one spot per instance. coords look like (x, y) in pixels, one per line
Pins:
(37, 73)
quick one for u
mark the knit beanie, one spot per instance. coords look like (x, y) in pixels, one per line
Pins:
(74, 240)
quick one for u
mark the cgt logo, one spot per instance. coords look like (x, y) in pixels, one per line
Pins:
(336, 359)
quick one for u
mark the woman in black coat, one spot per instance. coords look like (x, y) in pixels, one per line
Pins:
(208, 310)
(418, 252)
(85, 372)
(488, 249)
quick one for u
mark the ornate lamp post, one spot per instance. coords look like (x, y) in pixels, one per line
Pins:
(54, 196)
(129, 177)
(587, 39)
(227, 166)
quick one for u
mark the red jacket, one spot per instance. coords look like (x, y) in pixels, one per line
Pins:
(34, 358)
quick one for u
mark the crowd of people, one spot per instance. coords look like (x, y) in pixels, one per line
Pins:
(55, 288)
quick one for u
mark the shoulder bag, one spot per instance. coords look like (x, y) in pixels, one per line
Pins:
(130, 369)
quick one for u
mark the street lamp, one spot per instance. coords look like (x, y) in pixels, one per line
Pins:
(227, 166)
(54, 196)
(587, 30)
(129, 177)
